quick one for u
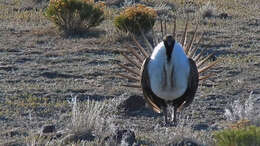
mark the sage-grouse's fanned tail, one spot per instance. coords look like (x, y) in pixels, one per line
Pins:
(202, 61)
(184, 35)
(134, 56)
(133, 59)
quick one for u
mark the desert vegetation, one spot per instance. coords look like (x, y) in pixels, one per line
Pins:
(135, 18)
(73, 16)
(58, 89)
(240, 136)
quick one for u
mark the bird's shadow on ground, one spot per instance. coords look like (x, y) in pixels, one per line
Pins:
(136, 106)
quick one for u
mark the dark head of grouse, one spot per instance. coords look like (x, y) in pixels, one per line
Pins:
(169, 42)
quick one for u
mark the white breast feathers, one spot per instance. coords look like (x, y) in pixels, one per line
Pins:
(168, 80)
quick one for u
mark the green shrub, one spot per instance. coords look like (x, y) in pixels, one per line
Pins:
(73, 16)
(246, 136)
(134, 18)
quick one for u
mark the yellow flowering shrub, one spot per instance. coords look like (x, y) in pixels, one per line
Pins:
(73, 16)
(134, 18)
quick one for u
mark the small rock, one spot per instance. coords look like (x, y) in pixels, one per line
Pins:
(223, 15)
(127, 137)
(122, 137)
(48, 129)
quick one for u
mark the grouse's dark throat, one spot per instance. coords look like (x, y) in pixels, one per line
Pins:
(169, 45)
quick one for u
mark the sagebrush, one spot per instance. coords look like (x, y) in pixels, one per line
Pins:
(242, 136)
(135, 18)
(74, 16)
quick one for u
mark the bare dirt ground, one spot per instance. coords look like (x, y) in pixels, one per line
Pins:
(41, 71)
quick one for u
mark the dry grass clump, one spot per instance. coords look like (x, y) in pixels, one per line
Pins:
(87, 126)
(86, 121)
(244, 110)
(135, 18)
(74, 16)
